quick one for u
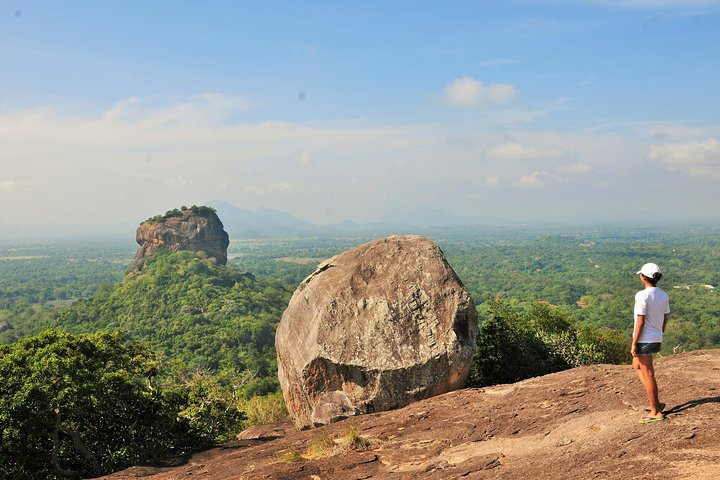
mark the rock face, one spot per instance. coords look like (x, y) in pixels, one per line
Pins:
(195, 229)
(375, 328)
(572, 425)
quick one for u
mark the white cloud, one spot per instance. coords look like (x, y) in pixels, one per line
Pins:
(305, 159)
(8, 185)
(178, 181)
(517, 151)
(156, 111)
(701, 159)
(501, 93)
(272, 188)
(12, 185)
(534, 180)
(469, 92)
(574, 169)
(491, 182)
(118, 110)
(145, 156)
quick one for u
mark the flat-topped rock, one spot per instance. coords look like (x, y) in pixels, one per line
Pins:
(196, 229)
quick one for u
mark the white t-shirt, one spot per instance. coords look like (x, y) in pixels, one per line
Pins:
(654, 304)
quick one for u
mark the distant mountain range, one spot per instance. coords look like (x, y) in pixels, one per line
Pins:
(264, 222)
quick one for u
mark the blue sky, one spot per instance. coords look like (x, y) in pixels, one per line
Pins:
(524, 110)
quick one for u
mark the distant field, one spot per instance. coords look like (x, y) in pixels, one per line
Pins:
(299, 260)
(23, 257)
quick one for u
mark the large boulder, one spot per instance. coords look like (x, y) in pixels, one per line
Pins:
(196, 229)
(375, 328)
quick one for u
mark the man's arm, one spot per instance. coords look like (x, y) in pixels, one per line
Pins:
(665, 322)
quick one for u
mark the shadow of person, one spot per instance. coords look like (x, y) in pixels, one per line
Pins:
(691, 404)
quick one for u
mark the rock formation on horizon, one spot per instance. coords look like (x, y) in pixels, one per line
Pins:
(195, 229)
(375, 328)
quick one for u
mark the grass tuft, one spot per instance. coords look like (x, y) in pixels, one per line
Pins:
(322, 446)
(354, 440)
(292, 455)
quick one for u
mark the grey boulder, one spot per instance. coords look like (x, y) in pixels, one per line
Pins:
(375, 328)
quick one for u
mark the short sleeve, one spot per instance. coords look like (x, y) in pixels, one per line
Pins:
(640, 304)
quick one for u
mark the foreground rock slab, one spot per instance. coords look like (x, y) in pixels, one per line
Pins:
(574, 425)
(375, 328)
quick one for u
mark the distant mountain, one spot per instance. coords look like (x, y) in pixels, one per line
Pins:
(267, 223)
(264, 222)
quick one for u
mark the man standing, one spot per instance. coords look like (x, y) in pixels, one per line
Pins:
(652, 307)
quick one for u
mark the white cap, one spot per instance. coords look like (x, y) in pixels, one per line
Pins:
(649, 269)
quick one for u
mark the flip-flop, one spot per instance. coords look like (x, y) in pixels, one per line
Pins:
(652, 419)
(661, 405)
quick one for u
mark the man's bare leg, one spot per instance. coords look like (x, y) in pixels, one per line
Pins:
(647, 374)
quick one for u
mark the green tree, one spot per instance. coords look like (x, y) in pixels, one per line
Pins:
(86, 405)
(515, 343)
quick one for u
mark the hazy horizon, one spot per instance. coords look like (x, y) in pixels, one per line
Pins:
(526, 111)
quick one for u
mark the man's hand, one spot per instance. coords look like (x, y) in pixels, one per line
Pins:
(632, 350)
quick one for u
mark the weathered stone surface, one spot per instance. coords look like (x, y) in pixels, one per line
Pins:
(578, 424)
(375, 328)
(196, 229)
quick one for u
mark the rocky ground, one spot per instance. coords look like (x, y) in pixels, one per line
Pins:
(578, 424)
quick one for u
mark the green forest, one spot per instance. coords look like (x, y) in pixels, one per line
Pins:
(183, 353)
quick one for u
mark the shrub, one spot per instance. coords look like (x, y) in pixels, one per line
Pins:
(353, 440)
(262, 410)
(86, 405)
(514, 344)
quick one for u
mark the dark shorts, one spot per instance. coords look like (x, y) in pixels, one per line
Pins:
(647, 349)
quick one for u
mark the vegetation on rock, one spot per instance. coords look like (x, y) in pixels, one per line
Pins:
(202, 211)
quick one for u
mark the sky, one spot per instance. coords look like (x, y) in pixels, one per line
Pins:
(520, 110)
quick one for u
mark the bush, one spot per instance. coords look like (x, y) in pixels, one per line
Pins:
(262, 410)
(86, 405)
(514, 344)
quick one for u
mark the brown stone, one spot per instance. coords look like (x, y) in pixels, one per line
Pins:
(506, 432)
(192, 229)
(375, 328)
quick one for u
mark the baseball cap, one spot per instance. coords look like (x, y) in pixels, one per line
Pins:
(649, 269)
